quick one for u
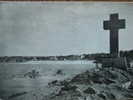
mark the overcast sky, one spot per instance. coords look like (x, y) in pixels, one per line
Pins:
(52, 28)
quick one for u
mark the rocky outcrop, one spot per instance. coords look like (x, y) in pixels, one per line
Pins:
(96, 84)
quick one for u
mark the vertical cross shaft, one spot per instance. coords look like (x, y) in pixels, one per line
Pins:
(114, 42)
(114, 24)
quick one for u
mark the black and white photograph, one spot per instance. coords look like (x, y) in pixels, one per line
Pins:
(66, 50)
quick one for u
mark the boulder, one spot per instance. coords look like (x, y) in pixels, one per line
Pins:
(81, 79)
(33, 74)
(110, 96)
(108, 81)
(59, 72)
(53, 83)
(128, 85)
(131, 86)
(101, 95)
(16, 95)
(89, 90)
(69, 87)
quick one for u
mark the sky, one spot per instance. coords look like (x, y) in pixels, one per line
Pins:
(60, 28)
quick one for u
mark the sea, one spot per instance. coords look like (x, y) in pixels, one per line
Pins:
(12, 78)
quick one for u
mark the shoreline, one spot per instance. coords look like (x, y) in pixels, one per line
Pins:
(53, 62)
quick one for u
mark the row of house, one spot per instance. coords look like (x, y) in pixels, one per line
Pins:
(52, 58)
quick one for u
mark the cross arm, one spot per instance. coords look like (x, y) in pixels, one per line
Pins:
(122, 23)
(106, 25)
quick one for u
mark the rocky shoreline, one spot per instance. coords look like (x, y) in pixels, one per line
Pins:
(105, 84)
(94, 84)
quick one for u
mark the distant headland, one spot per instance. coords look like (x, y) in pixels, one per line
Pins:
(94, 56)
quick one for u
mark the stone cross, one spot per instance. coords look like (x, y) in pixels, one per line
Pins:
(114, 24)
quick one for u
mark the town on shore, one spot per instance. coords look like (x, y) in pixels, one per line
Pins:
(8, 59)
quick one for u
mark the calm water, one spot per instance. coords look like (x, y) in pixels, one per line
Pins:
(12, 79)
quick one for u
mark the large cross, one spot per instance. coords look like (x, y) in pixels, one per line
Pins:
(114, 24)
